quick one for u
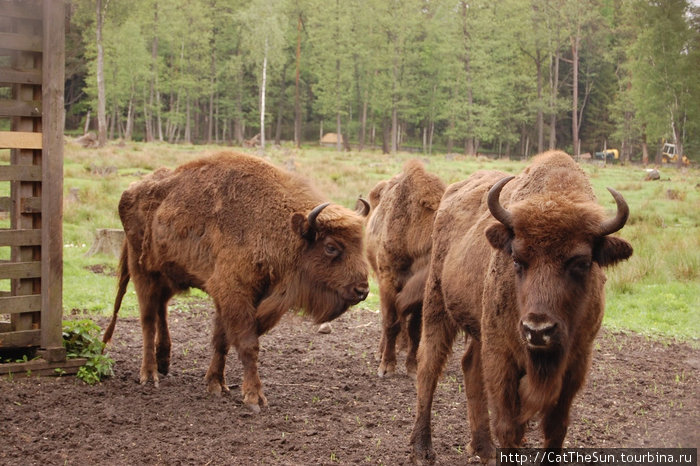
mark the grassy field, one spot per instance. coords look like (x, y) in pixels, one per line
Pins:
(656, 292)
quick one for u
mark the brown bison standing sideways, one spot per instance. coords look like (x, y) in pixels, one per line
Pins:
(528, 291)
(398, 248)
(258, 240)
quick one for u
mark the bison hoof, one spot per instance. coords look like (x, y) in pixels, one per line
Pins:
(254, 401)
(254, 408)
(386, 369)
(163, 367)
(217, 387)
(481, 454)
(148, 375)
(411, 372)
(422, 457)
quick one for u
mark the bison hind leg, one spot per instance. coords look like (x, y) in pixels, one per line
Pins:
(153, 296)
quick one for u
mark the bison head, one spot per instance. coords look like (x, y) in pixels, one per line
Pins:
(558, 244)
(332, 271)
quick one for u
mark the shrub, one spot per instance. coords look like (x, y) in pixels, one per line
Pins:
(81, 340)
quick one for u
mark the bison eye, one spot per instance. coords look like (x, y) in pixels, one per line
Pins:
(332, 251)
(519, 266)
(579, 266)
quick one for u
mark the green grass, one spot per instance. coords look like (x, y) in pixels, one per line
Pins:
(656, 292)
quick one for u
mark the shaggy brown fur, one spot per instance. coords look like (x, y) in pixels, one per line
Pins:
(240, 229)
(398, 248)
(529, 296)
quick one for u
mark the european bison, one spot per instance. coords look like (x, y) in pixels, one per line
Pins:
(528, 290)
(258, 240)
(398, 249)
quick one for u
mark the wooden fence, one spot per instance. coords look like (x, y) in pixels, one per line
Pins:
(32, 54)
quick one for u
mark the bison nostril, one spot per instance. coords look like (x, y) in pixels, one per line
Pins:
(538, 333)
(362, 291)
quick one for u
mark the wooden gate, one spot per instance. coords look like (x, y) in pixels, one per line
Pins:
(32, 54)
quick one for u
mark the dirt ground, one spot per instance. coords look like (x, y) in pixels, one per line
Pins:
(327, 406)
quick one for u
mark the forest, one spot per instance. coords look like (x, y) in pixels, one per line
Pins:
(510, 78)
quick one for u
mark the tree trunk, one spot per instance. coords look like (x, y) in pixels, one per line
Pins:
(262, 99)
(450, 140)
(575, 42)
(297, 101)
(280, 106)
(394, 129)
(101, 104)
(129, 120)
(645, 146)
(363, 122)
(212, 83)
(540, 113)
(188, 126)
(87, 122)
(554, 87)
(430, 137)
(338, 133)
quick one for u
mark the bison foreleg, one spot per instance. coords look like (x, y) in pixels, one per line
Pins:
(503, 382)
(390, 330)
(555, 421)
(216, 382)
(477, 403)
(438, 334)
(248, 349)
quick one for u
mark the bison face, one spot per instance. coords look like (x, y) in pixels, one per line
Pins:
(558, 247)
(332, 274)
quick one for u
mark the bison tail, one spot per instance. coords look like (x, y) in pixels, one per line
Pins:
(123, 276)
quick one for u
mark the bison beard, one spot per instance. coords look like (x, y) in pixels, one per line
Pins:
(528, 291)
(257, 239)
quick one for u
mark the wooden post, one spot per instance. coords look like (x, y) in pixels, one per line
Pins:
(52, 181)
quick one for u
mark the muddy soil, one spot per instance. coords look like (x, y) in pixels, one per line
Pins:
(327, 405)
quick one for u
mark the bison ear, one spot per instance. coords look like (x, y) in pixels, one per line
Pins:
(610, 250)
(300, 226)
(500, 236)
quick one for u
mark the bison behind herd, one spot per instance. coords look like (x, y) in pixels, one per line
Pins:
(513, 263)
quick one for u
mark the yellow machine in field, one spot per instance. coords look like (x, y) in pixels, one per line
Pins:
(609, 155)
(670, 155)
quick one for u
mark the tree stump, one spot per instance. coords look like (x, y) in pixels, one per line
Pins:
(107, 241)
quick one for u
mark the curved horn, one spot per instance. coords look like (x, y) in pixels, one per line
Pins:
(497, 210)
(623, 212)
(362, 207)
(314, 213)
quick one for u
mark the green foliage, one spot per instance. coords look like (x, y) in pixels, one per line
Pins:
(81, 340)
(464, 74)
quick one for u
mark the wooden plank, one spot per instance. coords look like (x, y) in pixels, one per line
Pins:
(21, 42)
(25, 60)
(10, 76)
(30, 205)
(20, 304)
(28, 9)
(20, 173)
(42, 367)
(20, 140)
(53, 118)
(27, 205)
(20, 108)
(20, 237)
(22, 338)
(20, 270)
